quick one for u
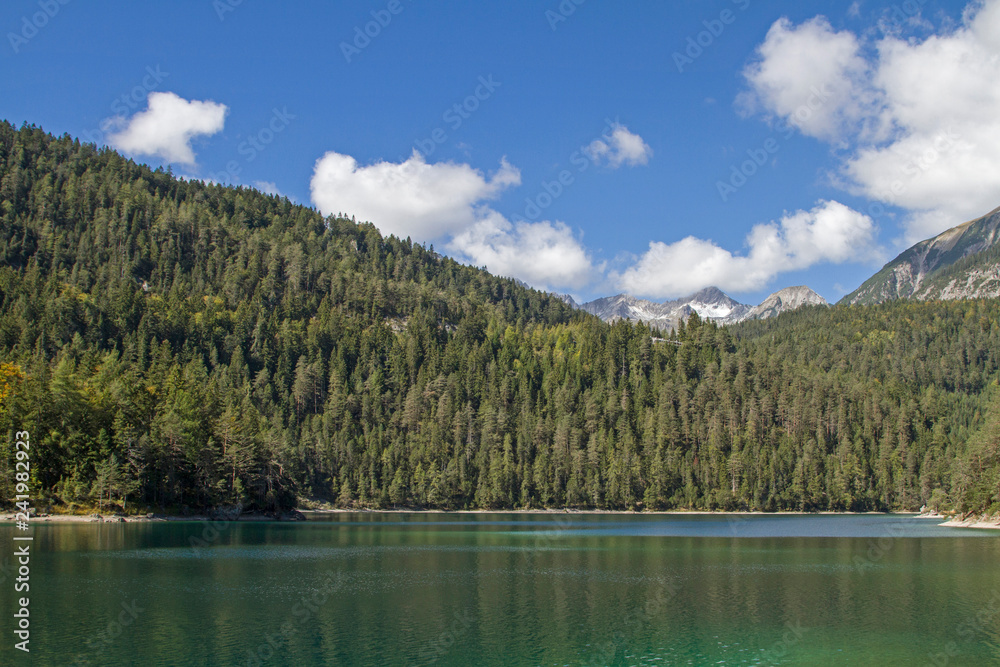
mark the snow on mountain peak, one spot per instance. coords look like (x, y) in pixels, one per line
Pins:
(710, 303)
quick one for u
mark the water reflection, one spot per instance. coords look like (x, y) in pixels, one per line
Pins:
(492, 589)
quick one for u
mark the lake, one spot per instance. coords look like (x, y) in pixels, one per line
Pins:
(511, 589)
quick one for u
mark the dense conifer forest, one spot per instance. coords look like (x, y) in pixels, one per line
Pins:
(172, 344)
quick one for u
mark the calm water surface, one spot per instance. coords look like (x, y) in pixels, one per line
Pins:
(505, 589)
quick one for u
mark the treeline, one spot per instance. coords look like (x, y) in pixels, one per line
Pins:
(175, 344)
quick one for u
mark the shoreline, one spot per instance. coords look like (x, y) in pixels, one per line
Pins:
(951, 522)
(305, 513)
(9, 518)
(584, 512)
(975, 521)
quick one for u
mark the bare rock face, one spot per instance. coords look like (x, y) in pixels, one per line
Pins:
(961, 263)
(710, 303)
(226, 512)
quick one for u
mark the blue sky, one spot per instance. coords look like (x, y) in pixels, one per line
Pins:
(595, 148)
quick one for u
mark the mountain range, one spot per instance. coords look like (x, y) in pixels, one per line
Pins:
(710, 303)
(960, 263)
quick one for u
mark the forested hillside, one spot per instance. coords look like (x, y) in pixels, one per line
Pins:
(171, 343)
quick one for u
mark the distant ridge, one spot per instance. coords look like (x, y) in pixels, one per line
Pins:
(710, 303)
(790, 298)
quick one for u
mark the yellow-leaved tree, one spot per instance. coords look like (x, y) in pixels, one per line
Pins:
(11, 377)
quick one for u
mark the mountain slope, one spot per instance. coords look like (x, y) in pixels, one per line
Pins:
(190, 338)
(180, 345)
(961, 263)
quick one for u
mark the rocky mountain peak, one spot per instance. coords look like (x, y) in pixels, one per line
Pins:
(960, 263)
(710, 303)
(789, 298)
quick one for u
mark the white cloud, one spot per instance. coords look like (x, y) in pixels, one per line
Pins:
(167, 127)
(830, 232)
(448, 201)
(920, 118)
(808, 75)
(622, 147)
(413, 198)
(543, 254)
(268, 188)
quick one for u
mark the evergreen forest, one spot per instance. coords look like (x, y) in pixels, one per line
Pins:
(172, 344)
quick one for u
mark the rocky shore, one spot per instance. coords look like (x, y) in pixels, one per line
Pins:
(964, 520)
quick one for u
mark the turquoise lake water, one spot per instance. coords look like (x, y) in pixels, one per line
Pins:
(510, 589)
